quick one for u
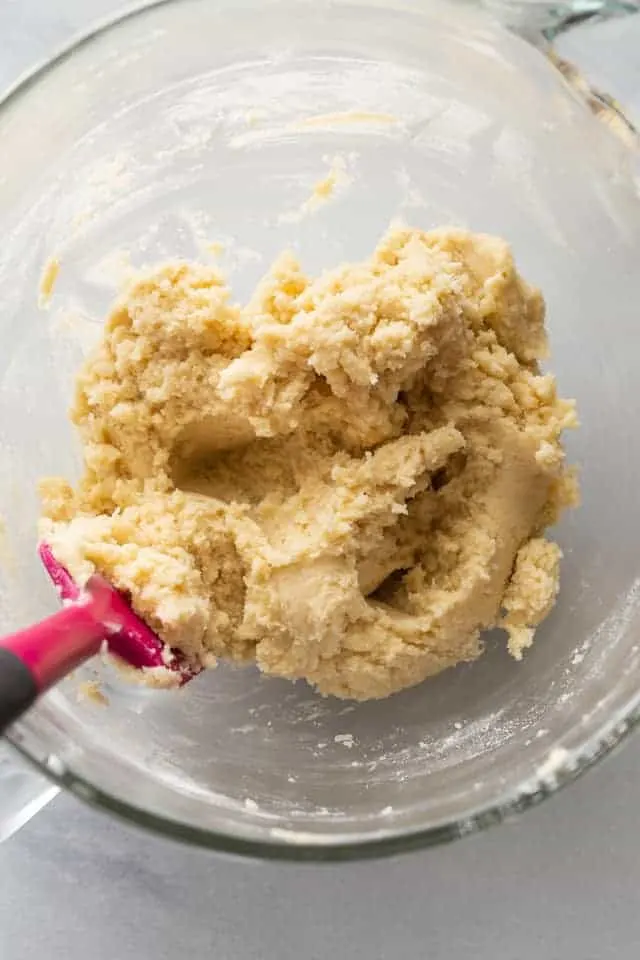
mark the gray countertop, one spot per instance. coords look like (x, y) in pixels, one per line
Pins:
(561, 882)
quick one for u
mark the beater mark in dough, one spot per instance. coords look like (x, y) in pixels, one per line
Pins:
(346, 480)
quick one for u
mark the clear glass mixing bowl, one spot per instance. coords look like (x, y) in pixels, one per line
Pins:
(190, 123)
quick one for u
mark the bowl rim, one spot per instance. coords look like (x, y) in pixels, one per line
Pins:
(612, 732)
(324, 849)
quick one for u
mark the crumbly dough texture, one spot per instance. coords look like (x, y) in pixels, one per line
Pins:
(345, 480)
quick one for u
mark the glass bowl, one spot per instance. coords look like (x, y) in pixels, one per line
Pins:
(188, 124)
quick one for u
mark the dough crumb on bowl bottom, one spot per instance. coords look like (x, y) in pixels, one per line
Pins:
(345, 480)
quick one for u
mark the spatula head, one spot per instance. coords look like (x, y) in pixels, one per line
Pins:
(127, 636)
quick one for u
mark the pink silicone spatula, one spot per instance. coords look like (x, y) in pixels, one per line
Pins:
(36, 658)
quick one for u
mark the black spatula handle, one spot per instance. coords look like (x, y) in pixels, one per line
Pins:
(18, 688)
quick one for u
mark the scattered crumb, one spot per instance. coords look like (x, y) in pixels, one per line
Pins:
(337, 177)
(91, 690)
(157, 677)
(346, 739)
(250, 804)
(216, 248)
(48, 279)
(236, 255)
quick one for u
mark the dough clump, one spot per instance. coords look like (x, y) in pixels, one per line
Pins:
(345, 480)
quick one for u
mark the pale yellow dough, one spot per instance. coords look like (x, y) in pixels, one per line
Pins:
(346, 480)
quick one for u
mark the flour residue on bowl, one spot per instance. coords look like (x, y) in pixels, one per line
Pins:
(349, 118)
(8, 560)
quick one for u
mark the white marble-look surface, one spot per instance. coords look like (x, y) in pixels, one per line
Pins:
(561, 883)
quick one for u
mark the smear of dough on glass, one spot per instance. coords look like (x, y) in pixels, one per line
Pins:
(337, 178)
(48, 279)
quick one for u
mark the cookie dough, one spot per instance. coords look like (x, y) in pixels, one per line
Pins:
(345, 480)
